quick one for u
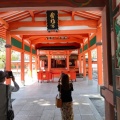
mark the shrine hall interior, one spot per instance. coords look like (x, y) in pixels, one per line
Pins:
(62, 36)
(60, 40)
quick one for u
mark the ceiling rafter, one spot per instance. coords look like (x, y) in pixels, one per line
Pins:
(90, 23)
(70, 35)
(60, 15)
(6, 14)
(18, 16)
(60, 32)
(98, 13)
(55, 38)
(73, 14)
(13, 14)
(4, 23)
(21, 18)
(32, 14)
(90, 14)
(86, 15)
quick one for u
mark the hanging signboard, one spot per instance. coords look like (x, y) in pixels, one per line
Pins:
(52, 20)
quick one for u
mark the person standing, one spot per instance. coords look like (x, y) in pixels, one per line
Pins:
(3, 95)
(65, 88)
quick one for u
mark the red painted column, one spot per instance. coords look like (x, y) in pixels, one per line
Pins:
(99, 65)
(89, 67)
(22, 64)
(30, 65)
(49, 62)
(22, 68)
(84, 67)
(36, 63)
(8, 55)
(79, 57)
(81, 60)
(41, 64)
(76, 64)
(99, 56)
(68, 63)
(38, 60)
(81, 65)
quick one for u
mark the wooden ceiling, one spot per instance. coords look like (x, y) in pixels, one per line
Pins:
(30, 25)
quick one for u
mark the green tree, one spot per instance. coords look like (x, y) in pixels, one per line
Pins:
(2, 53)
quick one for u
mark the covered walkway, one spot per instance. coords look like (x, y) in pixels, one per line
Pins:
(37, 101)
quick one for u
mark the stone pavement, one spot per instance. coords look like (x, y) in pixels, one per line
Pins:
(36, 101)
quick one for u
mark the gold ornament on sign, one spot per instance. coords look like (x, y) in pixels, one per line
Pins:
(52, 21)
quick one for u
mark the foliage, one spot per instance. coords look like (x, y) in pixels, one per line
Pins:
(2, 53)
(14, 54)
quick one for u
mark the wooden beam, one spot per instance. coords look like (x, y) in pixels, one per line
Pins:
(17, 16)
(90, 23)
(60, 15)
(87, 15)
(43, 40)
(32, 15)
(4, 23)
(7, 14)
(100, 22)
(60, 32)
(73, 14)
(81, 36)
(10, 14)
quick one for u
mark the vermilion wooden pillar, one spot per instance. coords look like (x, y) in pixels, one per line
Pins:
(99, 65)
(49, 62)
(36, 63)
(84, 67)
(79, 57)
(99, 56)
(38, 60)
(8, 55)
(22, 64)
(30, 66)
(89, 67)
(76, 64)
(81, 65)
(68, 62)
(41, 64)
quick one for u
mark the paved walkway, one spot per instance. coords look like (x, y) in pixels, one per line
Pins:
(37, 101)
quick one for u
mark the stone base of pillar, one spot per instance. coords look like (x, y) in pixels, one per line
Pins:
(90, 82)
(84, 78)
(23, 82)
